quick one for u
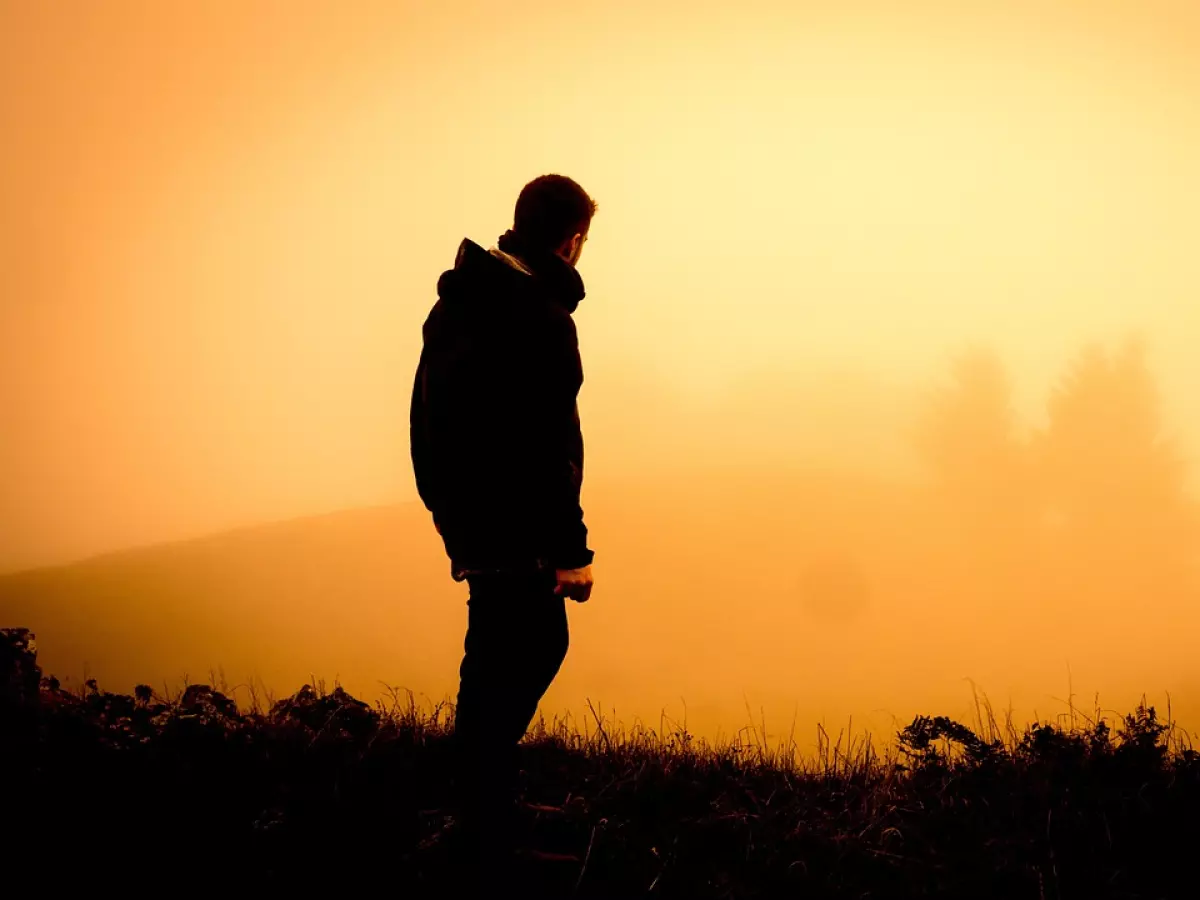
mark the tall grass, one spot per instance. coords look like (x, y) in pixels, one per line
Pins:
(318, 792)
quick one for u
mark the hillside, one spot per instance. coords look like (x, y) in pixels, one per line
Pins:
(335, 588)
(364, 596)
(720, 595)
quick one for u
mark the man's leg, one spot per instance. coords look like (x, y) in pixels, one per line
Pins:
(516, 641)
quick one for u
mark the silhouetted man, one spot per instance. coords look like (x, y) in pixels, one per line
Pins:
(498, 455)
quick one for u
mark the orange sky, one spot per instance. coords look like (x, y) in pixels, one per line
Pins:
(221, 228)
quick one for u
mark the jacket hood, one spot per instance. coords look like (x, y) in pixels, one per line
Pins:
(510, 271)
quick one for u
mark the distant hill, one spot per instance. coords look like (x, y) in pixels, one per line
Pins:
(809, 595)
(688, 568)
(278, 601)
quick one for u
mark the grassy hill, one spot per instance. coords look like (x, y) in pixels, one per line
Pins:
(322, 794)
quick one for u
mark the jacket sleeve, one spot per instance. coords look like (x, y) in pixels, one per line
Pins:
(419, 443)
(559, 458)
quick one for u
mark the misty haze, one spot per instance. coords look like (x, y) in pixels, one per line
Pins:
(889, 349)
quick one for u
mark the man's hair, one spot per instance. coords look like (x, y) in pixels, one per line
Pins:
(552, 209)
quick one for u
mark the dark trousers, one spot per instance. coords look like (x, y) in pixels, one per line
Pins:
(516, 642)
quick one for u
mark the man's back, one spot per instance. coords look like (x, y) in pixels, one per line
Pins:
(496, 442)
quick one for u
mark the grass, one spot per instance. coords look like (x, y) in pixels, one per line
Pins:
(319, 792)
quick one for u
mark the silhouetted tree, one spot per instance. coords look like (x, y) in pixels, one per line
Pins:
(968, 437)
(1114, 478)
(981, 509)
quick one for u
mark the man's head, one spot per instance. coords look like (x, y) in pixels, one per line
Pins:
(553, 214)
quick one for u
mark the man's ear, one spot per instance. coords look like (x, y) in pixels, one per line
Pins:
(570, 248)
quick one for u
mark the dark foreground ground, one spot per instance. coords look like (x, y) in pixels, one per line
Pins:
(320, 794)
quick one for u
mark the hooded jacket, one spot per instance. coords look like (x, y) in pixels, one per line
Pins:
(495, 437)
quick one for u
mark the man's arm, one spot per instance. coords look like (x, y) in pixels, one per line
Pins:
(558, 438)
(418, 436)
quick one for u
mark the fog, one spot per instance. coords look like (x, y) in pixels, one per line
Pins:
(889, 334)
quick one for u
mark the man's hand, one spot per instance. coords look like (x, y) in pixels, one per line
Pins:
(574, 583)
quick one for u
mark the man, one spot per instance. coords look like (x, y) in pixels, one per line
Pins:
(498, 456)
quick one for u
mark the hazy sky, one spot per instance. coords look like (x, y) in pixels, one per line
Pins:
(221, 227)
